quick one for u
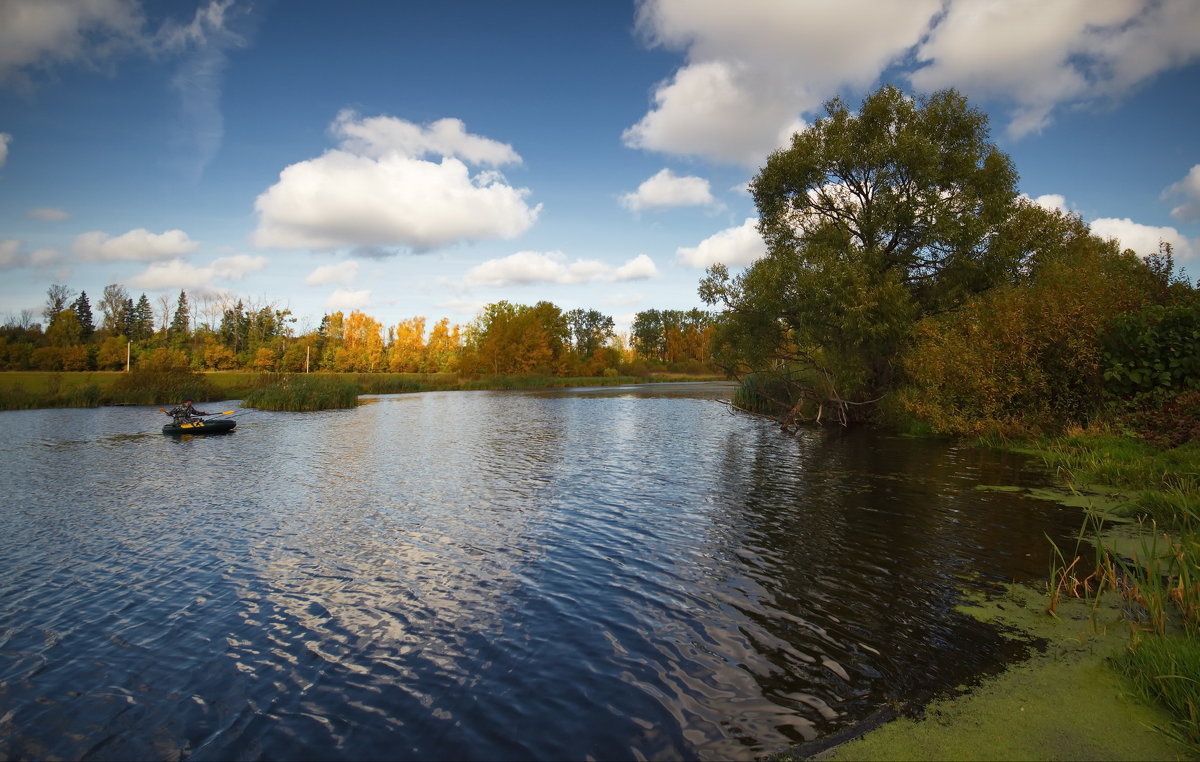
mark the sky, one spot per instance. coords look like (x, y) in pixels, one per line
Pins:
(428, 158)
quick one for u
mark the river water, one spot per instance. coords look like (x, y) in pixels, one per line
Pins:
(615, 573)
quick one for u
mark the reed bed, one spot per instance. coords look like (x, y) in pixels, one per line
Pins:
(303, 393)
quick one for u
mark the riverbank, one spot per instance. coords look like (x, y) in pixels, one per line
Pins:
(1100, 685)
(1065, 702)
(26, 390)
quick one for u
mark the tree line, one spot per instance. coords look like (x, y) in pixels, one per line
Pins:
(217, 333)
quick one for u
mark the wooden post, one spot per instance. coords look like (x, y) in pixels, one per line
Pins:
(127, 346)
(307, 353)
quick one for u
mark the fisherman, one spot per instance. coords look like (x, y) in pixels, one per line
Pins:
(185, 413)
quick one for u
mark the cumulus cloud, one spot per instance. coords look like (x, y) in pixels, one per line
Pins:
(754, 68)
(376, 190)
(378, 136)
(1054, 202)
(667, 189)
(733, 247)
(1041, 55)
(47, 214)
(342, 273)
(5, 139)
(1143, 239)
(526, 267)
(1189, 189)
(38, 34)
(640, 267)
(180, 274)
(138, 245)
(345, 300)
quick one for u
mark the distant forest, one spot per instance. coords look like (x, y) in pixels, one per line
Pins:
(220, 334)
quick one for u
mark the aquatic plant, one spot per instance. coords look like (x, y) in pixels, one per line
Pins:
(301, 393)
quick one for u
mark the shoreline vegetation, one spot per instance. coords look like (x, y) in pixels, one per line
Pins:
(24, 390)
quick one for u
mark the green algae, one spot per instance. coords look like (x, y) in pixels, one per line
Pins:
(1063, 703)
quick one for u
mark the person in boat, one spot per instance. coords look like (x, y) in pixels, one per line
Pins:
(185, 413)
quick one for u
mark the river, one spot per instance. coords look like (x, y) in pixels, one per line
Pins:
(601, 573)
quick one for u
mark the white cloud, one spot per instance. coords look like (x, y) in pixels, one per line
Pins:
(370, 192)
(5, 139)
(47, 214)
(1143, 239)
(180, 274)
(42, 33)
(755, 66)
(1054, 202)
(378, 136)
(526, 267)
(345, 300)
(1189, 188)
(668, 189)
(640, 267)
(342, 273)
(1042, 55)
(138, 245)
(733, 247)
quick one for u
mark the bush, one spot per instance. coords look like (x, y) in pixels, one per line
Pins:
(1172, 424)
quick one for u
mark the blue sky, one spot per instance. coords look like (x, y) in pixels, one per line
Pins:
(424, 159)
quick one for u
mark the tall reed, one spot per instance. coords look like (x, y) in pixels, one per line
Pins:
(302, 393)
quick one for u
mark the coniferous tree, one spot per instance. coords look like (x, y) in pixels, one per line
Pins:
(83, 313)
(181, 322)
(142, 319)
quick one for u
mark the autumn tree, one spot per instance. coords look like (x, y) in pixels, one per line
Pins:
(441, 350)
(112, 304)
(407, 354)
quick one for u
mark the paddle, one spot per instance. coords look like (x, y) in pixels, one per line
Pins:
(223, 412)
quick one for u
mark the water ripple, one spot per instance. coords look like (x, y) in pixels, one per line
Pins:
(601, 573)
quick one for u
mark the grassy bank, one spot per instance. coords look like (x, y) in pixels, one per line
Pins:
(22, 390)
(1120, 675)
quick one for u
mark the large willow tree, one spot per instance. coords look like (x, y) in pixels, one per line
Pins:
(872, 220)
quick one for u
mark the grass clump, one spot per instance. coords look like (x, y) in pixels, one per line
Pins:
(1167, 670)
(1158, 576)
(303, 393)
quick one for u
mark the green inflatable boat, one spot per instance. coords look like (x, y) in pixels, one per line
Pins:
(219, 426)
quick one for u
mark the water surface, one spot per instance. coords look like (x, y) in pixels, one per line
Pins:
(595, 573)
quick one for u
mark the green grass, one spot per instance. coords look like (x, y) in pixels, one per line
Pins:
(1167, 670)
(1159, 575)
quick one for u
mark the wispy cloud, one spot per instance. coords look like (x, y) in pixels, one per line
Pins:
(136, 245)
(528, 267)
(47, 214)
